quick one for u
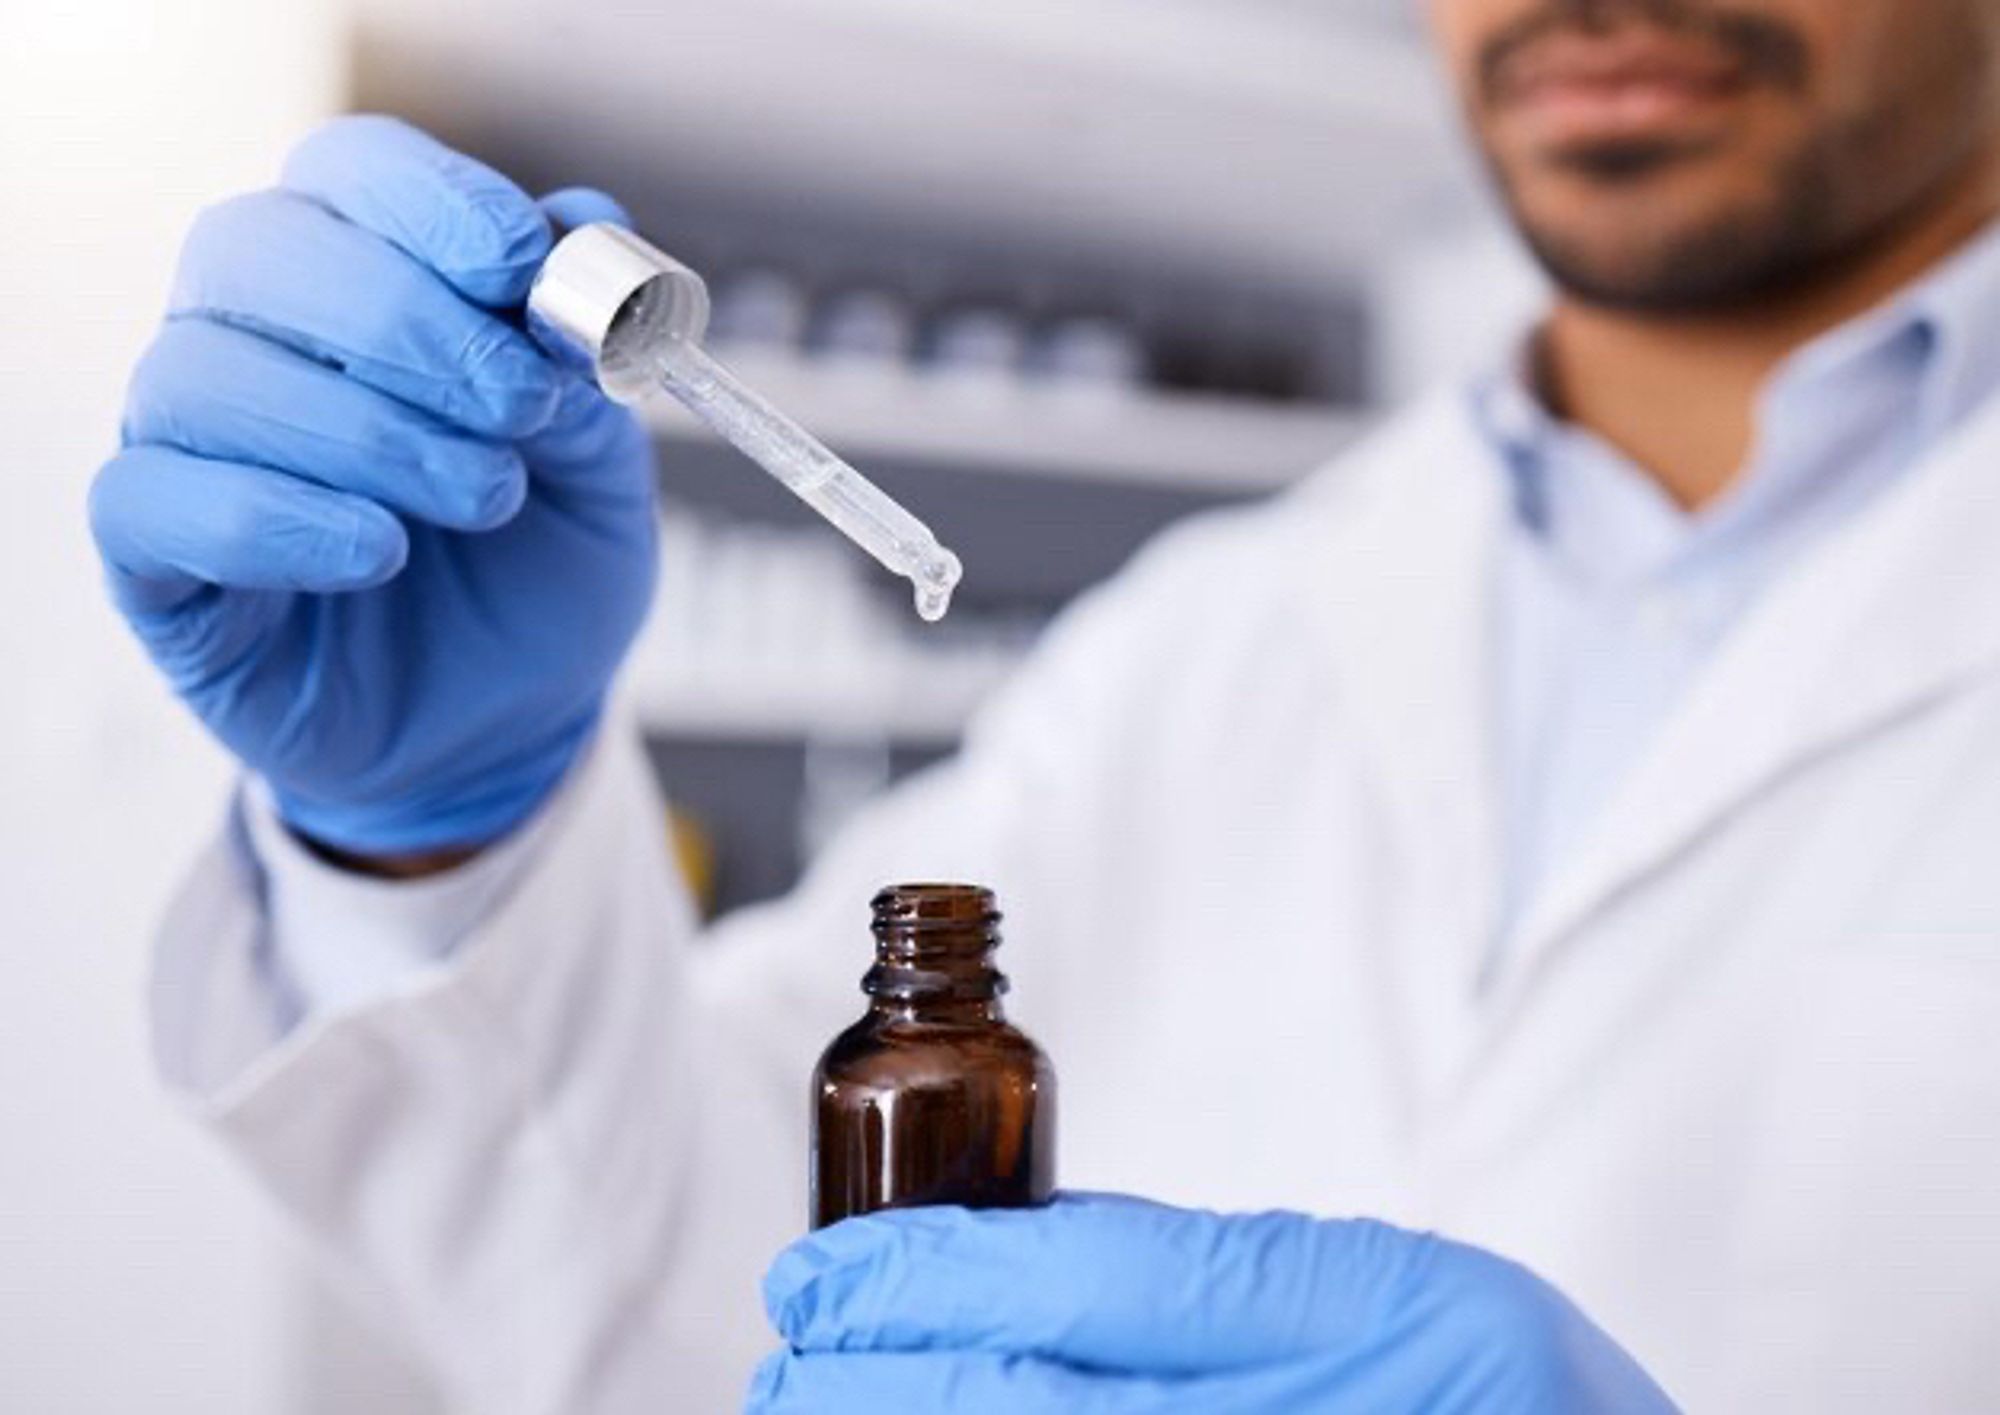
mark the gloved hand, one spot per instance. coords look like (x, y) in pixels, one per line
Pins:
(387, 551)
(1114, 1305)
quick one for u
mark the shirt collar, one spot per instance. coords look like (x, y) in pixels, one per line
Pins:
(1940, 337)
(1960, 303)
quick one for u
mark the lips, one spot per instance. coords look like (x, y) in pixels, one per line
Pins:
(1626, 84)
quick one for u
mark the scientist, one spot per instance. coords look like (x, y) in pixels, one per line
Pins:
(1569, 823)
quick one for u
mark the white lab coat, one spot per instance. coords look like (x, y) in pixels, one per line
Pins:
(1735, 1088)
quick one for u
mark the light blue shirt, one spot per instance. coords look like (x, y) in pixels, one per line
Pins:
(1612, 599)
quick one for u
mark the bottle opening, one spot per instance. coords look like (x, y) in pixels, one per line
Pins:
(935, 942)
(935, 906)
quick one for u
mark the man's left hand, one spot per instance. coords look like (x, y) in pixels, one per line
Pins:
(1116, 1305)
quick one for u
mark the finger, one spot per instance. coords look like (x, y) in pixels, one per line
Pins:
(572, 207)
(1094, 1280)
(941, 1383)
(229, 395)
(280, 266)
(167, 523)
(452, 213)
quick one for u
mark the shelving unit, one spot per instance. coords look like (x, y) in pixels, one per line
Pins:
(810, 655)
(1218, 178)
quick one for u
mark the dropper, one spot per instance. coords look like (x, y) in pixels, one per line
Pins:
(633, 317)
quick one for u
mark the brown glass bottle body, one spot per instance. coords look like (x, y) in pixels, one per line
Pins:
(932, 1097)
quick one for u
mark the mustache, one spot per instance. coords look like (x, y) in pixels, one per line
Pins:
(1767, 50)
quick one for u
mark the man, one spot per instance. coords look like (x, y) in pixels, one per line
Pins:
(1565, 823)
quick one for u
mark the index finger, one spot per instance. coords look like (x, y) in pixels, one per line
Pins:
(452, 213)
(1096, 1281)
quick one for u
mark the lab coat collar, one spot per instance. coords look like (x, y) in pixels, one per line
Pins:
(1893, 611)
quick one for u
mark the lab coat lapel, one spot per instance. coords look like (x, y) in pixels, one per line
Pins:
(1405, 565)
(1899, 608)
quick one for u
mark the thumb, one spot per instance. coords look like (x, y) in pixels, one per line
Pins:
(571, 207)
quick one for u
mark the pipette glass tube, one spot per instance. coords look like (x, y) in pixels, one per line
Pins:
(859, 509)
(608, 301)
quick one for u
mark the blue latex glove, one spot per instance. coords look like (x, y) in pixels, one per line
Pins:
(386, 550)
(1115, 1306)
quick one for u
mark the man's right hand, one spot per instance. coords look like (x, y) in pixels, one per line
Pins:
(388, 552)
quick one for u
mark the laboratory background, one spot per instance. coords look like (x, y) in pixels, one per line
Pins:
(1054, 272)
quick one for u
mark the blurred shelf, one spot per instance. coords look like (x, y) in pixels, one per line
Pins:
(1114, 435)
(774, 711)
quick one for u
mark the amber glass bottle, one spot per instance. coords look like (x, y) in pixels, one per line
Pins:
(932, 1098)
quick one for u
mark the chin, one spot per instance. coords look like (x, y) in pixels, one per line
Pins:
(1665, 242)
(1660, 273)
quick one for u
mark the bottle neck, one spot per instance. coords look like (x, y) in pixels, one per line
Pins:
(935, 1012)
(934, 955)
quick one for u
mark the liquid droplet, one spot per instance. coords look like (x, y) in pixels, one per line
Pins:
(934, 583)
(932, 605)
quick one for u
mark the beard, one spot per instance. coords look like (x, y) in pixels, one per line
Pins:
(1754, 250)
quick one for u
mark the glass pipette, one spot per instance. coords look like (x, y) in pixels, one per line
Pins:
(856, 507)
(609, 302)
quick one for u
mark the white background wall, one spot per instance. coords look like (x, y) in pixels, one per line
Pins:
(136, 1274)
